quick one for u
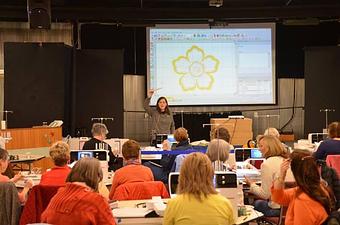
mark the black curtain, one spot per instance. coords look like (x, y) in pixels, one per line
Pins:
(322, 79)
(99, 90)
(37, 83)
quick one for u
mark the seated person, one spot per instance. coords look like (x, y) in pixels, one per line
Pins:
(331, 146)
(218, 153)
(99, 132)
(272, 131)
(221, 132)
(132, 171)
(79, 202)
(197, 201)
(60, 154)
(161, 172)
(309, 202)
(4, 161)
(274, 153)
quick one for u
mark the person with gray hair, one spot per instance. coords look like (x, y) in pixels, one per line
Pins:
(218, 153)
(99, 132)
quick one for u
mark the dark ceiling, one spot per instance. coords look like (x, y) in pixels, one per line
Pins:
(182, 11)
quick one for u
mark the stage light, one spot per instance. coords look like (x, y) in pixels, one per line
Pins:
(215, 3)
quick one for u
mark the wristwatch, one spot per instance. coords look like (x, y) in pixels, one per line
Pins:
(279, 178)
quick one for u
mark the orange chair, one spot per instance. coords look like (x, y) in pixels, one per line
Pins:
(334, 162)
(140, 190)
(38, 199)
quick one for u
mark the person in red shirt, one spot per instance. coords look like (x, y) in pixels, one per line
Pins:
(60, 154)
(133, 171)
(79, 202)
(4, 161)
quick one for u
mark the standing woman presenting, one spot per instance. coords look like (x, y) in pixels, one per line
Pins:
(162, 119)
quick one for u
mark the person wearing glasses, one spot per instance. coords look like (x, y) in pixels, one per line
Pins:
(99, 132)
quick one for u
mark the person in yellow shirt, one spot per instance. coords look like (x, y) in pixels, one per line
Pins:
(197, 201)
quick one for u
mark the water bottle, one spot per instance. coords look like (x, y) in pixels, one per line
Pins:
(240, 199)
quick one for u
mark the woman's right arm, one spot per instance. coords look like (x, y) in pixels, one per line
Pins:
(263, 191)
(147, 107)
(279, 195)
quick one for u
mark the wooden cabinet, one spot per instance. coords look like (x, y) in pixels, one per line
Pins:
(21, 138)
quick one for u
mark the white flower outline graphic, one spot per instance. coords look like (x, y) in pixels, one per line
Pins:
(196, 69)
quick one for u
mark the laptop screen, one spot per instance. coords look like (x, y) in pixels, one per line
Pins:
(242, 154)
(173, 182)
(85, 154)
(171, 139)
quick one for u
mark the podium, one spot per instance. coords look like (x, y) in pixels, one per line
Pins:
(30, 138)
(21, 138)
(240, 130)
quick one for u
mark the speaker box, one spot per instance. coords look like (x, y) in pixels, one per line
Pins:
(39, 14)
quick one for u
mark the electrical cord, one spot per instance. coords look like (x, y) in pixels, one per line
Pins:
(293, 107)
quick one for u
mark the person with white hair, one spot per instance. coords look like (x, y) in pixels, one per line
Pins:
(272, 131)
(99, 132)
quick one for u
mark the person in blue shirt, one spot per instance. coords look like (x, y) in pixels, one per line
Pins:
(332, 145)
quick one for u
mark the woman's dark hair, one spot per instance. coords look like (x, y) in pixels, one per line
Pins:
(3, 154)
(166, 110)
(307, 177)
(221, 133)
(86, 170)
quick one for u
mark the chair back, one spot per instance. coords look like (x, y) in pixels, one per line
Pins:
(10, 207)
(140, 190)
(334, 162)
(176, 167)
(38, 199)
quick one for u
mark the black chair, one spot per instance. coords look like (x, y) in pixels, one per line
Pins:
(10, 207)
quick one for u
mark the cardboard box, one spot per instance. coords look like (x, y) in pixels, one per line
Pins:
(240, 130)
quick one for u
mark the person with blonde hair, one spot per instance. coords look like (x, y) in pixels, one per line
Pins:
(197, 202)
(274, 153)
(79, 201)
(218, 153)
(132, 171)
(331, 146)
(60, 154)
